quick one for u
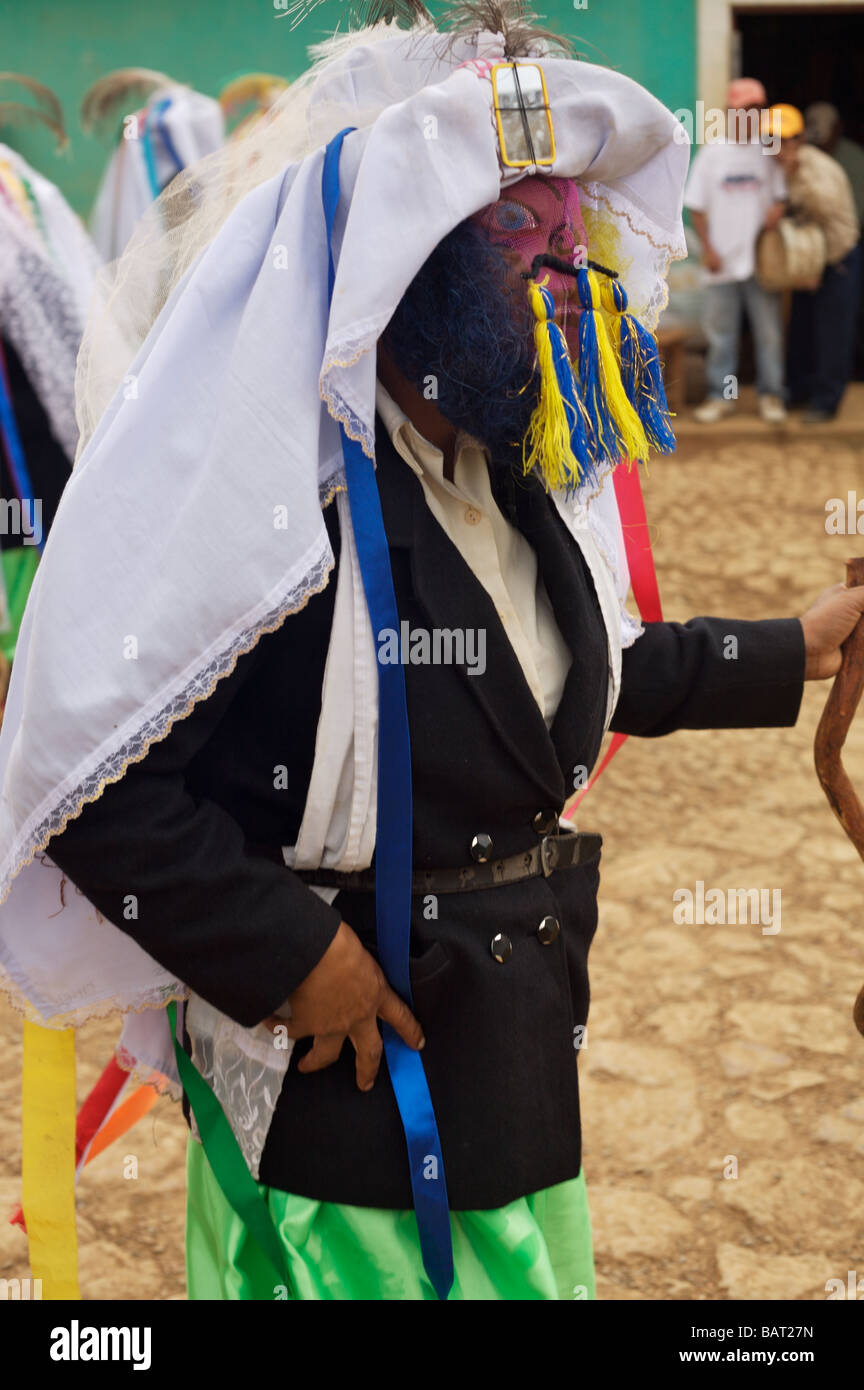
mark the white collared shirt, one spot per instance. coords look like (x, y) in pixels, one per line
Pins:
(496, 552)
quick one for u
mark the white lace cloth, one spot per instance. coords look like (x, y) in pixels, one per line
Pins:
(245, 1068)
(41, 318)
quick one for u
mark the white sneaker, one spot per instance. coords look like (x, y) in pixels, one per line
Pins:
(712, 410)
(772, 410)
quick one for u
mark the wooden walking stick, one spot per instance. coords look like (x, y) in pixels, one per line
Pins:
(834, 725)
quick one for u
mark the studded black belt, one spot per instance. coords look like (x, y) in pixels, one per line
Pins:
(551, 854)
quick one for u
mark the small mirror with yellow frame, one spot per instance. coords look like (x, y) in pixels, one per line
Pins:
(522, 114)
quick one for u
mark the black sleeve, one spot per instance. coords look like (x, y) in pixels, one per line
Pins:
(711, 673)
(240, 931)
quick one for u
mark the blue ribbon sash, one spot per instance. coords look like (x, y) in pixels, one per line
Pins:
(393, 849)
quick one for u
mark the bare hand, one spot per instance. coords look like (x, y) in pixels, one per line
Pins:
(773, 215)
(710, 258)
(343, 997)
(826, 624)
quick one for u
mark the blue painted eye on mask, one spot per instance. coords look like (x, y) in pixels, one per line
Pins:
(510, 217)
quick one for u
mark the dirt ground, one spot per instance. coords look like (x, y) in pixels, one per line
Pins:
(723, 1080)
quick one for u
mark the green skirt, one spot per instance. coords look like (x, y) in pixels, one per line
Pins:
(538, 1247)
(18, 567)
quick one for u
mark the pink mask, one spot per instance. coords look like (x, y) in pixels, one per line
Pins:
(539, 215)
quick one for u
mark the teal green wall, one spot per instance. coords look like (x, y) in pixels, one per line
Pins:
(69, 43)
(652, 41)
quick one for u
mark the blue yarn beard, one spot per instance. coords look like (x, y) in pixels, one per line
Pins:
(465, 321)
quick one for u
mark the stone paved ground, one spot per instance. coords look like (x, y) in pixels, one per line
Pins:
(708, 1046)
(714, 1044)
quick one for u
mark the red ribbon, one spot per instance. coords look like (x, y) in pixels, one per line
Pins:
(643, 578)
(91, 1116)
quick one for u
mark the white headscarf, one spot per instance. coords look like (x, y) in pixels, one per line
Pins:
(60, 232)
(195, 127)
(46, 277)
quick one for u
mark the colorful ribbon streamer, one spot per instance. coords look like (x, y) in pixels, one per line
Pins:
(643, 579)
(121, 1119)
(103, 1118)
(226, 1159)
(48, 1162)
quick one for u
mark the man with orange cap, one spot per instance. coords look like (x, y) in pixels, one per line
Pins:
(734, 191)
(822, 324)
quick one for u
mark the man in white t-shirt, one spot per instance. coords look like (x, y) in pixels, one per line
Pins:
(736, 187)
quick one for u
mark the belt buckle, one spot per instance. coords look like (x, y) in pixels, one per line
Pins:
(548, 855)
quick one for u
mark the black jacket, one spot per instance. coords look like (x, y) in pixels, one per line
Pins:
(243, 931)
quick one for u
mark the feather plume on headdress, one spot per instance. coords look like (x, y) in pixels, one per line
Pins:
(15, 113)
(513, 19)
(362, 14)
(47, 101)
(47, 111)
(518, 25)
(260, 87)
(101, 101)
(248, 99)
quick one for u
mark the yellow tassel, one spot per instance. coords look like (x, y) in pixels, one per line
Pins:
(613, 301)
(547, 446)
(626, 421)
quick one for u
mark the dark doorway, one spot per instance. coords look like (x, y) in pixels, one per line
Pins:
(808, 55)
(805, 55)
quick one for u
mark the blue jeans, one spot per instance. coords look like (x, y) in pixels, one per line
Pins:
(722, 324)
(822, 332)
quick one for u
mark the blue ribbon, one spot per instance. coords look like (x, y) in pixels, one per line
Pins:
(156, 115)
(12, 446)
(149, 157)
(170, 147)
(393, 850)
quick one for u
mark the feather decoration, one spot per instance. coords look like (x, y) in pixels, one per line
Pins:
(262, 88)
(47, 101)
(101, 101)
(523, 35)
(363, 14)
(16, 113)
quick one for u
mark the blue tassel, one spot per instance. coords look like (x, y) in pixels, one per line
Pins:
(639, 347)
(640, 370)
(605, 441)
(629, 361)
(568, 385)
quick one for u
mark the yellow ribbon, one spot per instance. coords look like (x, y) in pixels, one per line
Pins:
(16, 190)
(48, 1166)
